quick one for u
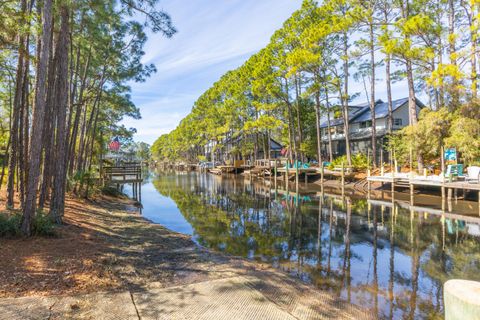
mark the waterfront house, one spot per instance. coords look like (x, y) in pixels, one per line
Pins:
(360, 121)
(229, 148)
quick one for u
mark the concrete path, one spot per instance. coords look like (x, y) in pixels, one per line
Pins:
(241, 297)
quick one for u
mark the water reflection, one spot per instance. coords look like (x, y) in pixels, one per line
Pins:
(378, 254)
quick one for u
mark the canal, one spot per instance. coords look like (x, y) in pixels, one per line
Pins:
(375, 253)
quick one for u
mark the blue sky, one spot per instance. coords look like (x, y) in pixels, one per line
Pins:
(214, 36)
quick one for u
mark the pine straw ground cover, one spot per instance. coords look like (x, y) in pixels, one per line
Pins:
(105, 245)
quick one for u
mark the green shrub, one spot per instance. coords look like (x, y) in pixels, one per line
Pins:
(10, 225)
(111, 191)
(359, 162)
(43, 225)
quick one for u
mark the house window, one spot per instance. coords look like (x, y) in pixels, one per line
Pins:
(340, 130)
(397, 122)
(366, 124)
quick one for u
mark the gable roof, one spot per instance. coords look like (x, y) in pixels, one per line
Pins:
(362, 112)
(354, 111)
(381, 110)
(274, 145)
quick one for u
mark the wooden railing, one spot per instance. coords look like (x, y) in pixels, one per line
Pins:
(122, 174)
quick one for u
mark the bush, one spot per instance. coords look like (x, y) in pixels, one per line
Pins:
(10, 225)
(359, 162)
(43, 225)
(111, 191)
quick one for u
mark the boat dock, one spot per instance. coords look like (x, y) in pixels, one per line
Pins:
(448, 187)
(124, 174)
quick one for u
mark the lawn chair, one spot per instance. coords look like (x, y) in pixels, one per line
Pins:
(454, 171)
(473, 174)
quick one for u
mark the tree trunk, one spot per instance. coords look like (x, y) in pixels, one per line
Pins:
(299, 124)
(38, 118)
(473, 52)
(372, 97)
(389, 94)
(452, 53)
(19, 78)
(330, 145)
(76, 121)
(319, 136)
(345, 98)
(61, 99)
(412, 106)
(48, 133)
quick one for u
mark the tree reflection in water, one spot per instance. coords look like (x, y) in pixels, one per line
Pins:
(380, 256)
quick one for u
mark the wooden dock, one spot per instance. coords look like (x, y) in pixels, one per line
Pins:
(448, 188)
(124, 174)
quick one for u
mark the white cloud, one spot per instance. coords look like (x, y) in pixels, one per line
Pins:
(214, 36)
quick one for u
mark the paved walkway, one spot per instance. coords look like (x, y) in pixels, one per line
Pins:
(240, 297)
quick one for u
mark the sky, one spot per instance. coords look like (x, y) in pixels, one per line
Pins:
(214, 36)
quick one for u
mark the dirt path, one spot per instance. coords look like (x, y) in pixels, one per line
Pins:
(106, 248)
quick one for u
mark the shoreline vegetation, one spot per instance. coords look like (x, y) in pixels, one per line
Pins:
(311, 74)
(65, 70)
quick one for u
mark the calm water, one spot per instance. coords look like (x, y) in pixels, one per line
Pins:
(371, 253)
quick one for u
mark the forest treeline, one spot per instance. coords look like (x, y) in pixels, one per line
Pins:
(64, 73)
(311, 66)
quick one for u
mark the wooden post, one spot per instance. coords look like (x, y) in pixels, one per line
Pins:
(443, 194)
(296, 175)
(286, 171)
(412, 190)
(322, 173)
(368, 159)
(411, 161)
(275, 174)
(381, 153)
(393, 172)
(369, 184)
(140, 192)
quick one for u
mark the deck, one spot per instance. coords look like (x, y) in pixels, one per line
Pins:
(130, 173)
(422, 181)
(122, 174)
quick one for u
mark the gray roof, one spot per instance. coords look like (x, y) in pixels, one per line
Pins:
(274, 145)
(362, 112)
(381, 110)
(354, 111)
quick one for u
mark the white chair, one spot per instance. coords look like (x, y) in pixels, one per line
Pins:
(473, 174)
